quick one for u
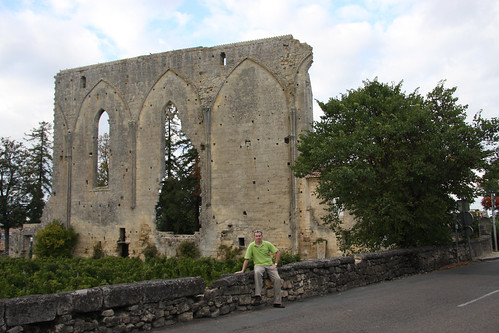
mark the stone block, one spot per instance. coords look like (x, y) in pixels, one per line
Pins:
(186, 316)
(224, 309)
(244, 300)
(64, 303)
(2, 312)
(119, 295)
(159, 290)
(30, 309)
(228, 280)
(107, 313)
(111, 321)
(158, 323)
(87, 300)
(211, 294)
(17, 329)
(215, 313)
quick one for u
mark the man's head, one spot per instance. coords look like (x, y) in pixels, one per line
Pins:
(258, 234)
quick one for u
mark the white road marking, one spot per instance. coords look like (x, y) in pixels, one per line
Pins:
(479, 298)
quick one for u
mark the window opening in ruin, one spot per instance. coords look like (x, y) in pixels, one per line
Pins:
(241, 241)
(28, 246)
(179, 202)
(122, 234)
(83, 82)
(124, 250)
(122, 243)
(103, 150)
(223, 59)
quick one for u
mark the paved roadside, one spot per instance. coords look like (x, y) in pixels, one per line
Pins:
(489, 256)
(460, 299)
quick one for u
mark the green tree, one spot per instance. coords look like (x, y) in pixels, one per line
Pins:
(396, 161)
(104, 159)
(490, 180)
(177, 209)
(39, 170)
(13, 193)
(55, 240)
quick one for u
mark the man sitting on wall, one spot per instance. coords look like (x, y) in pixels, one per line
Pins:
(260, 252)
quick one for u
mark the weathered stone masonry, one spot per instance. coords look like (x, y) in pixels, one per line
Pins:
(242, 105)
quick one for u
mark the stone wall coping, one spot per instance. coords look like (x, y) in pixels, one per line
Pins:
(40, 308)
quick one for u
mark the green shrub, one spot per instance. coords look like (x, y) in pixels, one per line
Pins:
(287, 258)
(55, 241)
(151, 251)
(229, 252)
(20, 277)
(98, 252)
(188, 249)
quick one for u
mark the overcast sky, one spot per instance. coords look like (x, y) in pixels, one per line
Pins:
(418, 41)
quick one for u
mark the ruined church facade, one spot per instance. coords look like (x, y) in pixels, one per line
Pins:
(242, 106)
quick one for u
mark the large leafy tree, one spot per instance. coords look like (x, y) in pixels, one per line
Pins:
(13, 192)
(177, 209)
(39, 169)
(395, 161)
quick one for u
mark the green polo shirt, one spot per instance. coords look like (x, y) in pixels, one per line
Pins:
(261, 254)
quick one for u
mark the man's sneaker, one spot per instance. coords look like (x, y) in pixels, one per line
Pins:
(281, 306)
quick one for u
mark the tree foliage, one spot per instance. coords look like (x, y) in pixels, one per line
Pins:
(177, 209)
(490, 180)
(13, 191)
(104, 156)
(39, 169)
(55, 240)
(396, 162)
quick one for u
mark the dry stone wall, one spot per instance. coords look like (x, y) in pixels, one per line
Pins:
(153, 304)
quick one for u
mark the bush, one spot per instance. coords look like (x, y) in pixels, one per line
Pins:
(287, 258)
(98, 252)
(151, 251)
(188, 249)
(229, 252)
(20, 277)
(55, 241)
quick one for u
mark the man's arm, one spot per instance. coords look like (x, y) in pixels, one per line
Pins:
(244, 266)
(277, 257)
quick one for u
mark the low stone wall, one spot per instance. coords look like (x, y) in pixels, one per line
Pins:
(153, 304)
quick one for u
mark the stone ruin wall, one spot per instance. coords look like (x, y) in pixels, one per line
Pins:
(242, 106)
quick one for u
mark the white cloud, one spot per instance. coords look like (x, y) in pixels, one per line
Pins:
(421, 49)
(418, 41)
(33, 48)
(350, 13)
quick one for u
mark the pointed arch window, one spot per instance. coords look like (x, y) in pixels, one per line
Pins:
(179, 200)
(223, 59)
(103, 150)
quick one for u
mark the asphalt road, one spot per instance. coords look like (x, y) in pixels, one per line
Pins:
(460, 299)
